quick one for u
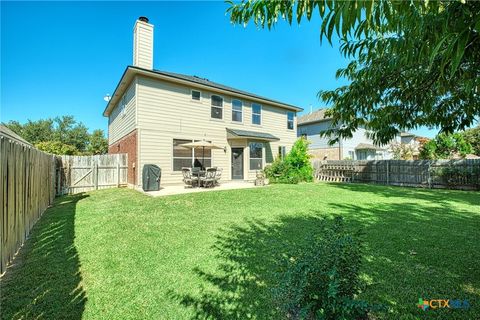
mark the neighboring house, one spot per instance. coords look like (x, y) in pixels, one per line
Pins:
(413, 142)
(359, 147)
(152, 113)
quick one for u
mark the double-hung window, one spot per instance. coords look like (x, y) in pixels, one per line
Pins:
(237, 111)
(256, 155)
(217, 107)
(256, 113)
(290, 117)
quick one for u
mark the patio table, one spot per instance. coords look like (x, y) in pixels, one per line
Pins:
(198, 173)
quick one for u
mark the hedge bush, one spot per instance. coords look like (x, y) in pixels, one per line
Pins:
(295, 167)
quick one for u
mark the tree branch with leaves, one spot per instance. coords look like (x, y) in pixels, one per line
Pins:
(414, 63)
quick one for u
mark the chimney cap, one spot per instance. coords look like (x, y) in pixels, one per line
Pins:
(144, 19)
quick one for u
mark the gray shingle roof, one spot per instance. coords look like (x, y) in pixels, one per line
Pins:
(366, 146)
(5, 131)
(252, 134)
(315, 116)
(212, 84)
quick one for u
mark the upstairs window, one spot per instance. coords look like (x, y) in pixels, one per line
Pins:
(237, 111)
(290, 117)
(256, 155)
(217, 107)
(196, 95)
(256, 113)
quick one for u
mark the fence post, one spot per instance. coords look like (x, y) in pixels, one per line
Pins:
(95, 172)
(429, 177)
(118, 172)
(388, 173)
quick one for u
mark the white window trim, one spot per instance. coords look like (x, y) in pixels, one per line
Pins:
(261, 112)
(212, 106)
(191, 93)
(234, 121)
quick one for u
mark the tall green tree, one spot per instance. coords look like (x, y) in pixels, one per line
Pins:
(98, 144)
(446, 146)
(472, 136)
(414, 63)
(34, 131)
(61, 135)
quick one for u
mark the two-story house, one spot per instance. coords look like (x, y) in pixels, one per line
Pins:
(359, 147)
(152, 113)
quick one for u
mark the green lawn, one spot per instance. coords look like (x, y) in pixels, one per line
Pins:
(118, 254)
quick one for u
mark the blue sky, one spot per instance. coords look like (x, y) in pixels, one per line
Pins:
(61, 58)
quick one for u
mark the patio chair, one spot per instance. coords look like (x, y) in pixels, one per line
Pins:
(218, 176)
(188, 179)
(209, 179)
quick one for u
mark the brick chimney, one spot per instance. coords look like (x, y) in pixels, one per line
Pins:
(143, 44)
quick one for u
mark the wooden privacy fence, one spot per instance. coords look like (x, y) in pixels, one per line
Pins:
(455, 174)
(27, 189)
(77, 174)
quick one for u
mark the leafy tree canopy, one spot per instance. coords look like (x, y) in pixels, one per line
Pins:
(413, 63)
(472, 136)
(446, 146)
(61, 135)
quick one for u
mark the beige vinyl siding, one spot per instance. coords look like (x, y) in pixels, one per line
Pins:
(166, 111)
(143, 45)
(119, 123)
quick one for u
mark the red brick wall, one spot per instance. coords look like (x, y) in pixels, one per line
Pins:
(128, 145)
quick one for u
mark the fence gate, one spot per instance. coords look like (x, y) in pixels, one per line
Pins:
(77, 174)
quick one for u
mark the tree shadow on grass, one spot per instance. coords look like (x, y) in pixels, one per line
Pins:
(250, 258)
(412, 251)
(419, 251)
(44, 280)
(436, 195)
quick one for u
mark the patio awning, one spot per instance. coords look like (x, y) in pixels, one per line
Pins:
(245, 134)
(366, 146)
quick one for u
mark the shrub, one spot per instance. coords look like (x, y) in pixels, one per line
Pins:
(446, 146)
(322, 282)
(294, 168)
(454, 176)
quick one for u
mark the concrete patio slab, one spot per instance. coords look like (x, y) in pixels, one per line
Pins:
(169, 190)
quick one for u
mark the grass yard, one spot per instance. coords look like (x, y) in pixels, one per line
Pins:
(119, 254)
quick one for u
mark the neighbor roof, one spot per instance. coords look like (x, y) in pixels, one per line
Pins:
(193, 80)
(315, 116)
(251, 134)
(406, 134)
(5, 131)
(366, 146)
